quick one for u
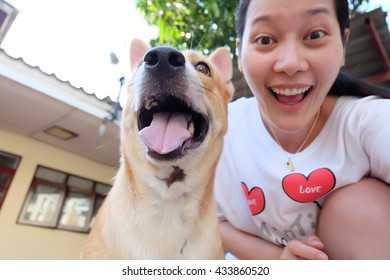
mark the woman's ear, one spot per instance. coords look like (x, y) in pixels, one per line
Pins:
(345, 41)
(347, 32)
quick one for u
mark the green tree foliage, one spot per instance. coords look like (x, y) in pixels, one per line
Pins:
(196, 24)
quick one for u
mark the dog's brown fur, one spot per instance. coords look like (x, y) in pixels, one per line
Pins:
(163, 207)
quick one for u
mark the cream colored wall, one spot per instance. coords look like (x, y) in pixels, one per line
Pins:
(19, 241)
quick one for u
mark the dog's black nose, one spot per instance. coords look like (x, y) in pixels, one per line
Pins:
(164, 58)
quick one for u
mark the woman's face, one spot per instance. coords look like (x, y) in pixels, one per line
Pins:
(291, 53)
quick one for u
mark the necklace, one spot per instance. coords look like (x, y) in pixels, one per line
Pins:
(289, 161)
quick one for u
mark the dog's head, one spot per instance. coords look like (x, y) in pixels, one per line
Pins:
(177, 103)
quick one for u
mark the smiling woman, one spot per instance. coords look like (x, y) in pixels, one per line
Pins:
(290, 148)
(275, 46)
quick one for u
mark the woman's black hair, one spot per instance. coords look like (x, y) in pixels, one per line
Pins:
(352, 86)
(344, 84)
(240, 19)
(342, 13)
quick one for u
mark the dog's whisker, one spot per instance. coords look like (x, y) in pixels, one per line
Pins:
(100, 146)
(192, 40)
(201, 39)
(208, 89)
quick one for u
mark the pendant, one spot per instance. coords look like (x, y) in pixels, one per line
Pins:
(290, 165)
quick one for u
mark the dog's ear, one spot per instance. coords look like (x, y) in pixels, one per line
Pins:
(222, 60)
(138, 49)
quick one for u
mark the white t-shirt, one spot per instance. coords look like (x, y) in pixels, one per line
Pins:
(256, 191)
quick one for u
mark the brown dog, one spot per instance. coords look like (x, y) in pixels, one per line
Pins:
(162, 205)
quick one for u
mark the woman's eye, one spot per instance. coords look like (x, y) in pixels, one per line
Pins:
(264, 40)
(315, 35)
(203, 68)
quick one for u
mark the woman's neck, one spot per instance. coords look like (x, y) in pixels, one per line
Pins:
(295, 142)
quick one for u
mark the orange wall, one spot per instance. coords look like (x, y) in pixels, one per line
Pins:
(19, 241)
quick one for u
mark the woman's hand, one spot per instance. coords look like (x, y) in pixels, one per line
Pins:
(309, 249)
(246, 246)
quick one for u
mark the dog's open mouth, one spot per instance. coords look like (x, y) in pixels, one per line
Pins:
(169, 127)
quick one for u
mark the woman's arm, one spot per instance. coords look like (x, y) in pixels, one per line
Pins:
(246, 246)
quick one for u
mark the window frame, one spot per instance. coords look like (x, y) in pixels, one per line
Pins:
(65, 190)
(11, 174)
(32, 190)
(86, 227)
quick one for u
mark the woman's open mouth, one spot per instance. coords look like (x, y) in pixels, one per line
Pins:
(290, 96)
(168, 126)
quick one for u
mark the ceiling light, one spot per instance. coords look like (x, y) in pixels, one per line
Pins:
(60, 133)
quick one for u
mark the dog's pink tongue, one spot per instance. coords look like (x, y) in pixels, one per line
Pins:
(166, 133)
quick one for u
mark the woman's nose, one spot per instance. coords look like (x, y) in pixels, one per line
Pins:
(291, 59)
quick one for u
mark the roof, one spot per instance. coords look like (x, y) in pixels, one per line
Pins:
(33, 101)
(368, 50)
(54, 76)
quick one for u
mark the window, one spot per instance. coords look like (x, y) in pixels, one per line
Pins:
(59, 200)
(8, 165)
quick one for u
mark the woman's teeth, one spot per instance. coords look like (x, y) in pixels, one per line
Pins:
(290, 91)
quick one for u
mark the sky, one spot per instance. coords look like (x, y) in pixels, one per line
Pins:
(74, 38)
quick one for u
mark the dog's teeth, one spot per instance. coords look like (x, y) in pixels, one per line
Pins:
(150, 103)
(191, 127)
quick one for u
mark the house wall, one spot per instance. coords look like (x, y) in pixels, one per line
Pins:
(19, 241)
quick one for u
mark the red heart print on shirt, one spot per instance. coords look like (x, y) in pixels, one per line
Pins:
(255, 198)
(308, 189)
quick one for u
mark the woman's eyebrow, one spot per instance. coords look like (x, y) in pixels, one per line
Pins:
(310, 12)
(316, 11)
(261, 18)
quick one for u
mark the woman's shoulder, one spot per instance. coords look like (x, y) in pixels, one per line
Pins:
(242, 114)
(364, 105)
(360, 112)
(242, 106)
(242, 102)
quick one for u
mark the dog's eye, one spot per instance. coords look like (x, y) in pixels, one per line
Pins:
(203, 68)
